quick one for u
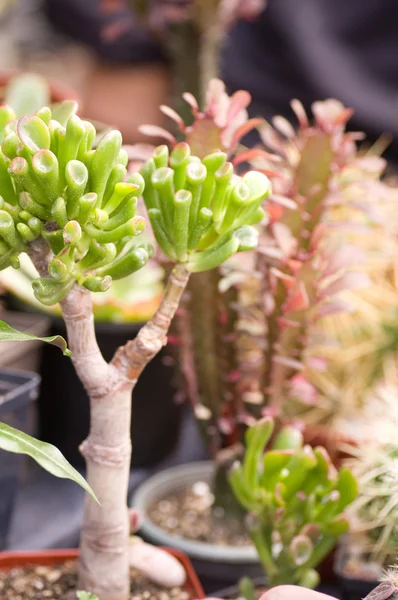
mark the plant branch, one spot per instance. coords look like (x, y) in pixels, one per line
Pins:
(131, 359)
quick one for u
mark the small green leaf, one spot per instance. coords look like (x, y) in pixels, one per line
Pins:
(46, 455)
(27, 93)
(9, 334)
(246, 589)
(33, 133)
(63, 110)
(86, 596)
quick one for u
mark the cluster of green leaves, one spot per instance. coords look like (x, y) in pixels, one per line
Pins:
(295, 498)
(201, 212)
(56, 186)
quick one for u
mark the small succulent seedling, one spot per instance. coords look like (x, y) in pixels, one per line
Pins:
(295, 500)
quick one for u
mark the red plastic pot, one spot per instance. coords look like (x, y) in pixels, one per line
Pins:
(8, 560)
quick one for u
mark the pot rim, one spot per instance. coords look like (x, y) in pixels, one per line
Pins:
(172, 479)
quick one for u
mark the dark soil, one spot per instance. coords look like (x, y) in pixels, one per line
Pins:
(59, 582)
(190, 513)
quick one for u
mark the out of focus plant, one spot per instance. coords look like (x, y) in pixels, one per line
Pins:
(374, 514)
(295, 500)
(191, 31)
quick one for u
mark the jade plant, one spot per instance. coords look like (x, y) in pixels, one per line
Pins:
(295, 500)
(68, 206)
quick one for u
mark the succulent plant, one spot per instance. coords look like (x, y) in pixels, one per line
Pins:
(56, 188)
(200, 211)
(68, 206)
(295, 500)
(192, 31)
(250, 335)
(305, 263)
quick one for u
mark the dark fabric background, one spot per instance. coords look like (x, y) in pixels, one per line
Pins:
(306, 49)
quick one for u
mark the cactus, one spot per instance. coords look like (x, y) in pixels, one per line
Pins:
(303, 262)
(251, 334)
(388, 588)
(374, 513)
(295, 500)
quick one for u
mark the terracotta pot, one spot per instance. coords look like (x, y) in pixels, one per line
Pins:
(58, 89)
(8, 560)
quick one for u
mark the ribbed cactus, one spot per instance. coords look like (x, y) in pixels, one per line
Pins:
(57, 188)
(374, 514)
(303, 263)
(295, 500)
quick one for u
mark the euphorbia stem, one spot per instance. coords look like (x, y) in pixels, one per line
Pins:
(104, 564)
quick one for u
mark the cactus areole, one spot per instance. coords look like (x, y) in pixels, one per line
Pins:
(66, 202)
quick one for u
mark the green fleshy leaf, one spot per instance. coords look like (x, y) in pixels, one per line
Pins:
(27, 93)
(63, 110)
(86, 596)
(9, 334)
(46, 455)
(33, 133)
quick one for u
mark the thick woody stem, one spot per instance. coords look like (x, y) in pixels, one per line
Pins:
(104, 560)
(131, 359)
(104, 565)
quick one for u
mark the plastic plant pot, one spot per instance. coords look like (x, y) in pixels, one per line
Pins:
(352, 587)
(217, 566)
(17, 391)
(8, 560)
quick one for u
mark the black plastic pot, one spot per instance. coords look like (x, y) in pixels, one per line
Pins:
(64, 406)
(352, 588)
(17, 390)
(355, 589)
